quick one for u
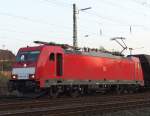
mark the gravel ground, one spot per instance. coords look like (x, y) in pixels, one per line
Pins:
(135, 112)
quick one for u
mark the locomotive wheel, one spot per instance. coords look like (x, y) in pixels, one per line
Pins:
(131, 91)
(10, 89)
(125, 91)
(75, 93)
(54, 93)
(119, 90)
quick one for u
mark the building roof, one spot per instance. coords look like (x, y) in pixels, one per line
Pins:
(6, 55)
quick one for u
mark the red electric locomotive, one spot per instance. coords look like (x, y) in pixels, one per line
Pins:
(59, 69)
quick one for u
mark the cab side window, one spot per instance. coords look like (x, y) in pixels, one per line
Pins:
(52, 57)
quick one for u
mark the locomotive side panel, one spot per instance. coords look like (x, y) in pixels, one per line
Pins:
(80, 67)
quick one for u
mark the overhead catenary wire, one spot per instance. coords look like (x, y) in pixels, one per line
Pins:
(116, 21)
(122, 7)
(60, 3)
(144, 4)
(32, 20)
(36, 21)
(104, 17)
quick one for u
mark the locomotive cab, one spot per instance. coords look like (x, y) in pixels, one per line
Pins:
(35, 65)
(25, 65)
(23, 76)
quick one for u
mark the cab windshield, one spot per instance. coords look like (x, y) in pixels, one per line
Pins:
(27, 56)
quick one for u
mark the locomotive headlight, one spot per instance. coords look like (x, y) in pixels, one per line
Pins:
(31, 76)
(14, 76)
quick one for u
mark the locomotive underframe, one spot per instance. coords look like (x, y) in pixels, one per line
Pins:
(24, 85)
(51, 82)
(56, 87)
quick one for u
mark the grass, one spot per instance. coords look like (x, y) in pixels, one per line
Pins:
(3, 80)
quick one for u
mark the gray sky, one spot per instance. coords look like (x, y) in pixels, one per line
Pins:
(24, 21)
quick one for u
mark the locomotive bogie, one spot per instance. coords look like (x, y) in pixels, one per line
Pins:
(24, 85)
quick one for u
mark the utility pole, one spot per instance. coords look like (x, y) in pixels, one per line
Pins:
(75, 44)
(75, 12)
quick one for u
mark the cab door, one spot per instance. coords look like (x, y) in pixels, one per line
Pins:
(52, 64)
(59, 64)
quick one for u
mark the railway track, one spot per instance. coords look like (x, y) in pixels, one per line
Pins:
(74, 105)
(79, 108)
(13, 99)
(31, 103)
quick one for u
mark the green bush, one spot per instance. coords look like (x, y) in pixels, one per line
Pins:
(6, 65)
(3, 80)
